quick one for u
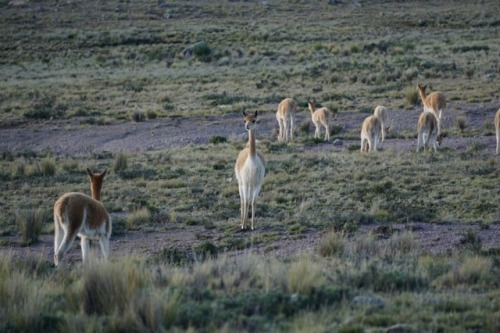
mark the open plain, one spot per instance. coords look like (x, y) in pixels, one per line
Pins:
(386, 241)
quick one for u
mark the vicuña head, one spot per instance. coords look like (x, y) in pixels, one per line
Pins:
(285, 115)
(249, 170)
(320, 117)
(497, 129)
(435, 102)
(428, 130)
(77, 214)
(370, 133)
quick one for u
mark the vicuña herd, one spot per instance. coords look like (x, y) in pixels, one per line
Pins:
(78, 214)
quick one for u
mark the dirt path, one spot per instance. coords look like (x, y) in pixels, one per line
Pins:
(73, 138)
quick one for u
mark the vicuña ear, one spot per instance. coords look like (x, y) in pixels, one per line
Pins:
(256, 112)
(89, 172)
(104, 172)
(244, 113)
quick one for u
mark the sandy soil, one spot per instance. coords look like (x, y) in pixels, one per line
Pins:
(71, 138)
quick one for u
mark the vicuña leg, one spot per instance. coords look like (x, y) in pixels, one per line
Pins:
(85, 244)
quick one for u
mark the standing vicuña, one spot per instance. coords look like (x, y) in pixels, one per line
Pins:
(428, 130)
(78, 214)
(319, 117)
(286, 113)
(370, 133)
(497, 129)
(381, 113)
(250, 170)
(435, 102)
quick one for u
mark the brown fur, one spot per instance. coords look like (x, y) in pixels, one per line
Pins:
(284, 115)
(250, 171)
(497, 129)
(370, 133)
(78, 214)
(319, 117)
(428, 130)
(435, 102)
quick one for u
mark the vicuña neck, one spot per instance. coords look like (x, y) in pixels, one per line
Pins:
(251, 141)
(96, 195)
(422, 96)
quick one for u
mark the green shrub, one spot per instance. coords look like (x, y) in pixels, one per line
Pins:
(45, 107)
(411, 96)
(120, 162)
(461, 123)
(137, 116)
(218, 139)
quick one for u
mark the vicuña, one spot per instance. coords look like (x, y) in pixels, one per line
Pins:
(319, 117)
(78, 214)
(428, 130)
(286, 114)
(381, 113)
(250, 170)
(370, 133)
(435, 102)
(497, 129)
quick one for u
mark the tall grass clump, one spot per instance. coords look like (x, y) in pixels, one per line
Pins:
(48, 167)
(471, 271)
(411, 96)
(138, 217)
(30, 224)
(121, 162)
(332, 245)
(304, 275)
(22, 301)
(109, 287)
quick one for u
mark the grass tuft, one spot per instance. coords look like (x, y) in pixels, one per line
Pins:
(30, 224)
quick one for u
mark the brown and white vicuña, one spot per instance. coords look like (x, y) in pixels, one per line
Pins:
(381, 113)
(370, 133)
(285, 115)
(428, 130)
(435, 102)
(320, 117)
(497, 129)
(250, 171)
(77, 214)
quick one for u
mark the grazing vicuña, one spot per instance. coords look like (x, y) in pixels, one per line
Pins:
(497, 129)
(435, 102)
(78, 214)
(250, 170)
(319, 117)
(370, 133)
(286, 114)
(381, 113)
(428, 130)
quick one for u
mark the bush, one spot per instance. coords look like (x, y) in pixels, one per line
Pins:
(120, 162)
(137, 217)
(332, 245)
(30, 223)
(45, 107)
(48, 167)
(411, 96)
(461, 123)
(137, 116)
(217, 139)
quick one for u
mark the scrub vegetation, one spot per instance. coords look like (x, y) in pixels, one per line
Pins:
(98, 63)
